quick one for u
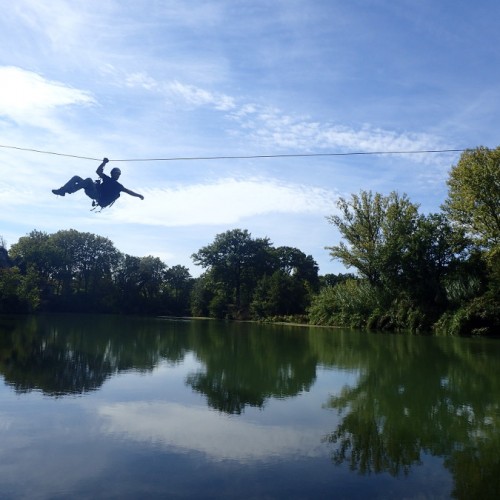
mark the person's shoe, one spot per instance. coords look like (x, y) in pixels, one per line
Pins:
(59, 192)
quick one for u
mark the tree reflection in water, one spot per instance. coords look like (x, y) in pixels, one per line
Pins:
(61, 355)
(247, 364)
(74, 354)
(413, 396)
(436, 396)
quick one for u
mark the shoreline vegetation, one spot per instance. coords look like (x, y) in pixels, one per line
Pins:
(435, 273)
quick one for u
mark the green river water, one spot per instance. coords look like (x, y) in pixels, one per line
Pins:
(123, 407)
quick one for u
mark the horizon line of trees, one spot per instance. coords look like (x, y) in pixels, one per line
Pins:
(438, 272)
(72, 271)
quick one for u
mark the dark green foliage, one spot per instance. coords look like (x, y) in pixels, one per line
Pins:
(480, 316)
(176, 287)
(249, 278)
(440, 271)
(18, 293)
(349, 303)
(402, 258)
(72, 271)
(201, 295)
(334, 279)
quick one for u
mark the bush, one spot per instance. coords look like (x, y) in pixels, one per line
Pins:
(350, 303)
(480, 316)
(357, 304)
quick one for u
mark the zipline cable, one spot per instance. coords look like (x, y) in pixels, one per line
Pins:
(49, 152)
(246, 157)
(292, 155)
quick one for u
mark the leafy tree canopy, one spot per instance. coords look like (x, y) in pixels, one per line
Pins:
(474, 195)
(376, 229)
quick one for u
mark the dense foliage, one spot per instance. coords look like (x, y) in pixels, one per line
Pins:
(84, 272)
(70, 271)
(249, 278)
(419, 272)
(414, 272)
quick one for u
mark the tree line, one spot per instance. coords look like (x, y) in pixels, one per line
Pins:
(434, 272)
(72, 271)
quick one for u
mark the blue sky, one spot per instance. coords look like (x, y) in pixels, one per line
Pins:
(132, 79)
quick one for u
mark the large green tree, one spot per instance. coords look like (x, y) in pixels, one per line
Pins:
(376, 230)
(141, 284)
(473, 206)
(36, 249)
(405, 257)
(70, 265)
(288, 290)
(19, 293)
(474, 195)
(247, 277)
(36, 253)
(85, 259)
(235, 261)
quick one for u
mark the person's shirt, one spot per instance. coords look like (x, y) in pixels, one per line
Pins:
(109, 190)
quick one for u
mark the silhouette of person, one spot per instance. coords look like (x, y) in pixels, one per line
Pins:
(103, 192)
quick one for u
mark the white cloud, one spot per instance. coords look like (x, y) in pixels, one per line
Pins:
(218, 436)
(196, 96)
(226, 201)
(140, 79)
(29, 99)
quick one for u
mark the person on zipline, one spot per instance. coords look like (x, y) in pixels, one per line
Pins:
(104, 192)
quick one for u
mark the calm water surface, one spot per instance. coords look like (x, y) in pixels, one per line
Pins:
(109, 407)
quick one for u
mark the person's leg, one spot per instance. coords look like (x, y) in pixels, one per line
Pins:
(90, 188)
(76, 183)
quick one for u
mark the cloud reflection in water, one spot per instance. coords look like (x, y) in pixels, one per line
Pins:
(219, 436)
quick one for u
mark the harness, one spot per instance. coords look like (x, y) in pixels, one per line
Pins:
(95, 203)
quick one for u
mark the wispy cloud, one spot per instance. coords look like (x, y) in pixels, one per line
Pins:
(271, 127)
(200, 97)
(274, 129)
(27, 98)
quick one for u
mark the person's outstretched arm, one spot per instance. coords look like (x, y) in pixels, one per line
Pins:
(132, 193)
(100, 168)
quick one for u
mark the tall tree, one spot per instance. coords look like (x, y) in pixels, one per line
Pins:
(288, 289)
(376, 229)
(19, 293)
(36, 249)
(404, 256)
(140, 282)
(474, 195)
(473, 205)
(297, 264)
(178, 284)
(235, 262)
(151, 274)
(84, 258)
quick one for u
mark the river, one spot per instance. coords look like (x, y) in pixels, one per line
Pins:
(126, 407)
